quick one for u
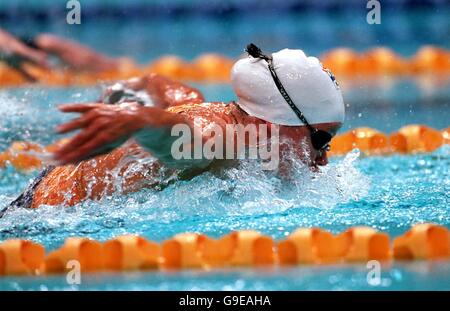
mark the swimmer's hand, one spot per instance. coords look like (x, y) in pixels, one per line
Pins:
(15, 52)
(103, 128)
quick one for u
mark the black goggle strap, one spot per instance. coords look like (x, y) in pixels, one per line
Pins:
(256, 52)
(320, 139)
(287, 98)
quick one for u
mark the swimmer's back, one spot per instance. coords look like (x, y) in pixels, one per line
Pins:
(70, 184)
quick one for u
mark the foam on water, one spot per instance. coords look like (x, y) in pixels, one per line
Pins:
(242, 191)
(220, 202)
(30, 114)
(388, 193)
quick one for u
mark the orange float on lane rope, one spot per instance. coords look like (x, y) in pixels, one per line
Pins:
(423, 241)
(169, 66)
(342, 61)
(211, 68)
(22, 155)
(243, 248)
(398, 143)
(368, 140)
(10, 77)
(130, 252)
(252, 248)
(4, 157)
(416, 138)
(88, 253)
(430, 59)
(56, 145)
(363, 243)
(343, 143)
(446, 135)
(382, 61)
(308, 245)
(182, 251)
(20, 257)
(217, 252)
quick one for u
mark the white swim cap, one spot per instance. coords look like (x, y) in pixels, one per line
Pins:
(312, 88)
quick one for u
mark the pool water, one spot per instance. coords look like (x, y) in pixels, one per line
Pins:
(189, 35)
(389, 193)
(405, 276)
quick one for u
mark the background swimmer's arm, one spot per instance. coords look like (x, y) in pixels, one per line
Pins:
(104, 127)
(163, 91)
(74, 54)
(15, 53)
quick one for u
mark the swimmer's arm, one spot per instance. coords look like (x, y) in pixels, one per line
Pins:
(162, 144)
(163, 91)
(12, 46)
(74, 54)
(104, 127)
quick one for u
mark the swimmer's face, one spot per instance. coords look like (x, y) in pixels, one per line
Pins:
(304, 148)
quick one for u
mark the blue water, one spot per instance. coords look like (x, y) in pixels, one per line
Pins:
(403, 276)
(147, 38)
(388, 193)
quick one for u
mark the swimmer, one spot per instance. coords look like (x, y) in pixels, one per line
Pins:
(133, 124)
(15, 52)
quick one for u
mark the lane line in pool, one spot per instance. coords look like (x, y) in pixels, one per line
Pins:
(238, 249)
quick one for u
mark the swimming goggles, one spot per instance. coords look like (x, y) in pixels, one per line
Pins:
(320, 139)
(120, 94)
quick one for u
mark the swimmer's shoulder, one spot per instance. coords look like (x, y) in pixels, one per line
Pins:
(229, 112)
(194, 107)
